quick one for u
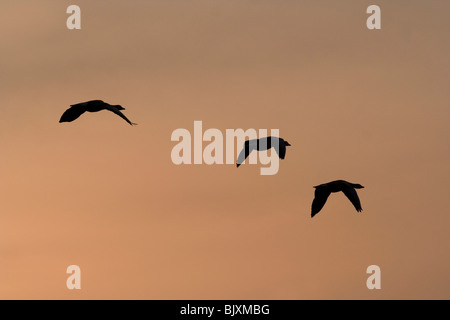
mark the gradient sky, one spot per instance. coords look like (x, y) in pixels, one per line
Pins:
(370, 107)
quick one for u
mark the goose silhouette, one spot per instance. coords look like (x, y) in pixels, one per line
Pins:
(262, 144)
(323, 191)
(78, 109)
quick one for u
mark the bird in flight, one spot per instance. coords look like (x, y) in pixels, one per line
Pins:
(323, 191)
(78, 109)
(262, 144)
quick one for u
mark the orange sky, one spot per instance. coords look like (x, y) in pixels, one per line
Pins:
(370, 107)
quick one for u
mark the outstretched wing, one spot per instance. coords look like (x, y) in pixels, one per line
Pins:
(72, 113)
(352, 195)
(248, 148)
(120, 114)
(320, 197)
(243, 154)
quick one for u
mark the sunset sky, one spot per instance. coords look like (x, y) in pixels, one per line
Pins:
(366, 106)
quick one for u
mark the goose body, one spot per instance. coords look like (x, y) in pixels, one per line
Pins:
(262, 144)
(323, 191)
(78, 109)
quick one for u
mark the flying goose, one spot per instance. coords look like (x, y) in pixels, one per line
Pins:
(323, 191)
(262, 144)
(78, 109)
